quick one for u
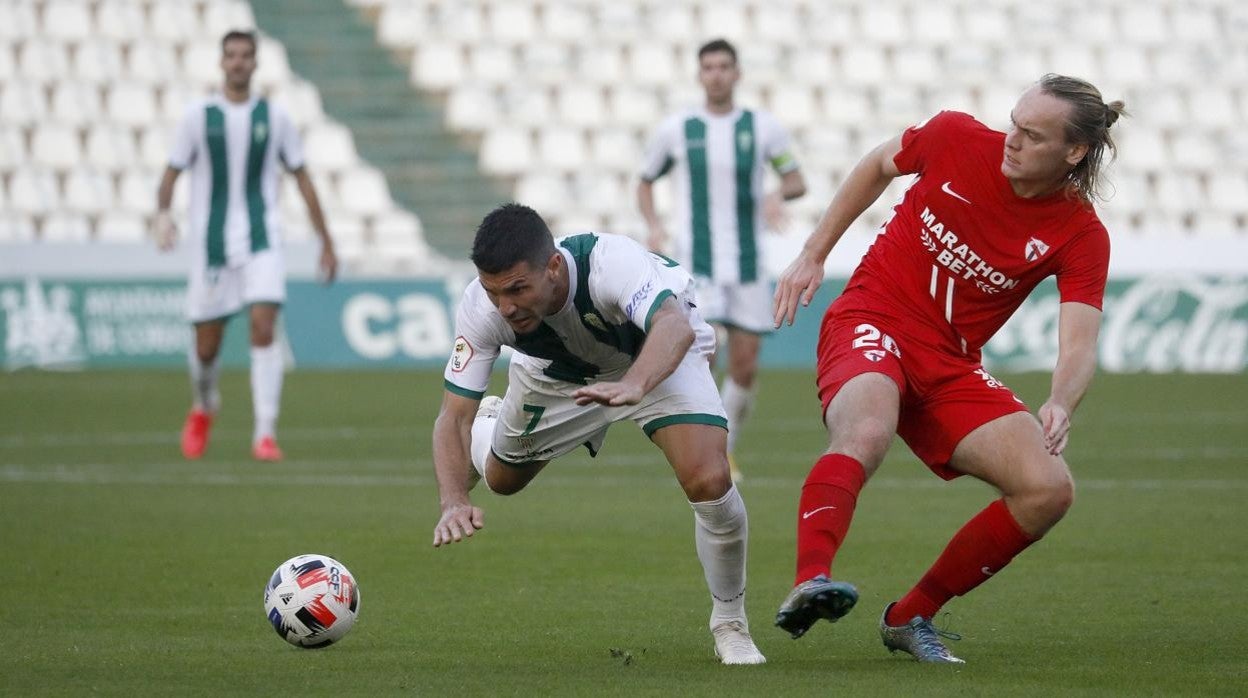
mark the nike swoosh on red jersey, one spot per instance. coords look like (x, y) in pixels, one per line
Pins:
(945, 188)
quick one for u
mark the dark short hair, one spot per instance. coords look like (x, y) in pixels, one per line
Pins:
(510, 234)
(715, 46)
(238, 35)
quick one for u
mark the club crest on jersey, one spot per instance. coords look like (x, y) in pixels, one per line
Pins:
(874, 355)
(594, 321)
(1035, 249)
(259, 132)
(462, 354)
(744, 139)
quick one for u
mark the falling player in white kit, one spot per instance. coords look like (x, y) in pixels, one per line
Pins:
(603, 331)
(720, 153)
(233, 143)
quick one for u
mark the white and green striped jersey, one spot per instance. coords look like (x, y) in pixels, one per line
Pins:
(720, 162)
(615, 287)
(233, 151)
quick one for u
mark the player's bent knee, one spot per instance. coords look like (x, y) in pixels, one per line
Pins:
(866, 440)
(708, 484)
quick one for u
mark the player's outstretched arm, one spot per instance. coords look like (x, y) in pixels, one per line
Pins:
(668, 340)
(864, 184)
(1078, 325)
(452, 465)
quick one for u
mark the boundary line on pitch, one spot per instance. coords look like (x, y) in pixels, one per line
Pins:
(175, 474)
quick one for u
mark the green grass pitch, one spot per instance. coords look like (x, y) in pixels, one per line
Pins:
(129, 571)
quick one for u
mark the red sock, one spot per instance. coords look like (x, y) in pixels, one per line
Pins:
(979, 550)
(823, 517)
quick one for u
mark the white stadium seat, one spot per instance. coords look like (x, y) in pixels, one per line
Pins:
(12, 147)
(581, 105)
(22, 104)
(779, 25)
(329, 146)
(653, 63)
(121, 20)
(512, 22)
(460, 22)
(301, 100)
(272, 64)
(1228, 192)
(883, 24)
(174, 22)
(154, 62)
(125, 226)
(43, 61)
(77, 104)
(402, 25)
(97, 61)
(90, 192)
(634, 106)
(33, 192)
(396, 225)
(363, 190)
(131, 104)
(438, 65)
(17, 20)
(864, 64)
(15, 227)
(546, 192)
(672, 21)
(546, 63)
(615, 149)
(562, 148)
(65, 227)
(492, 64)
(221, 16)
(201, 64)
(599, 192)
(471, 108)
(154, 146)
(603, 65)
(525, 106)
(566, 22)
(794, 104)
(136, 191)
(727, 20)
(55, 147)
(67, 20)
(110, 147)
(506, 150)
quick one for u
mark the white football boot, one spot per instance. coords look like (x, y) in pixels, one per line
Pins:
(733, 644)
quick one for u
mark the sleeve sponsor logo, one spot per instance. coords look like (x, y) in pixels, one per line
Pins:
(461, 355)
(641, 295)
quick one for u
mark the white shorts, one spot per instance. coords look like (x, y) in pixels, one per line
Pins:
(744, 306)
(539, 420)
(217, 293)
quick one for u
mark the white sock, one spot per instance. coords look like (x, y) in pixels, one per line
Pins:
(482, 439)
(266, 388)
(738, 403)
(204, 393)
(720, 533)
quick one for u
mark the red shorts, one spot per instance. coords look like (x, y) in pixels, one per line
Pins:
(945, 394)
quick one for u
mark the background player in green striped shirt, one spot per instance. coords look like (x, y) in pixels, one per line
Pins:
(233, 143)
(721, 153)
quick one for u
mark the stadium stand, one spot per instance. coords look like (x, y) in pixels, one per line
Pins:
(419, 114)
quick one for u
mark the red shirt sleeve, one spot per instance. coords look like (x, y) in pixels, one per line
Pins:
(1084, 267)
(921, 143)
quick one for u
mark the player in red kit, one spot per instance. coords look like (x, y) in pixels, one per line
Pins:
(988, 216)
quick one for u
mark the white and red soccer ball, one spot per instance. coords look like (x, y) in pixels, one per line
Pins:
(312, 601)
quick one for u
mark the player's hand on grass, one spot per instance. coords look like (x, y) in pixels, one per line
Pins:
(459, 521)
(609, 393)
(164, 230)
(1055, 421)
(797, 284)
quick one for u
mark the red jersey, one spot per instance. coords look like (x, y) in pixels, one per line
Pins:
(962, 250)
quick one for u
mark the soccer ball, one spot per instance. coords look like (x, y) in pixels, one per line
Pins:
(312, 601)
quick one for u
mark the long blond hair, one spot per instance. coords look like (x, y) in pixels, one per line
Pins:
(1088, 123)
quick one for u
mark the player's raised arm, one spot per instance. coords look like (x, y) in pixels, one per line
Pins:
(668, 339)
(452, 465)
(864, 184)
